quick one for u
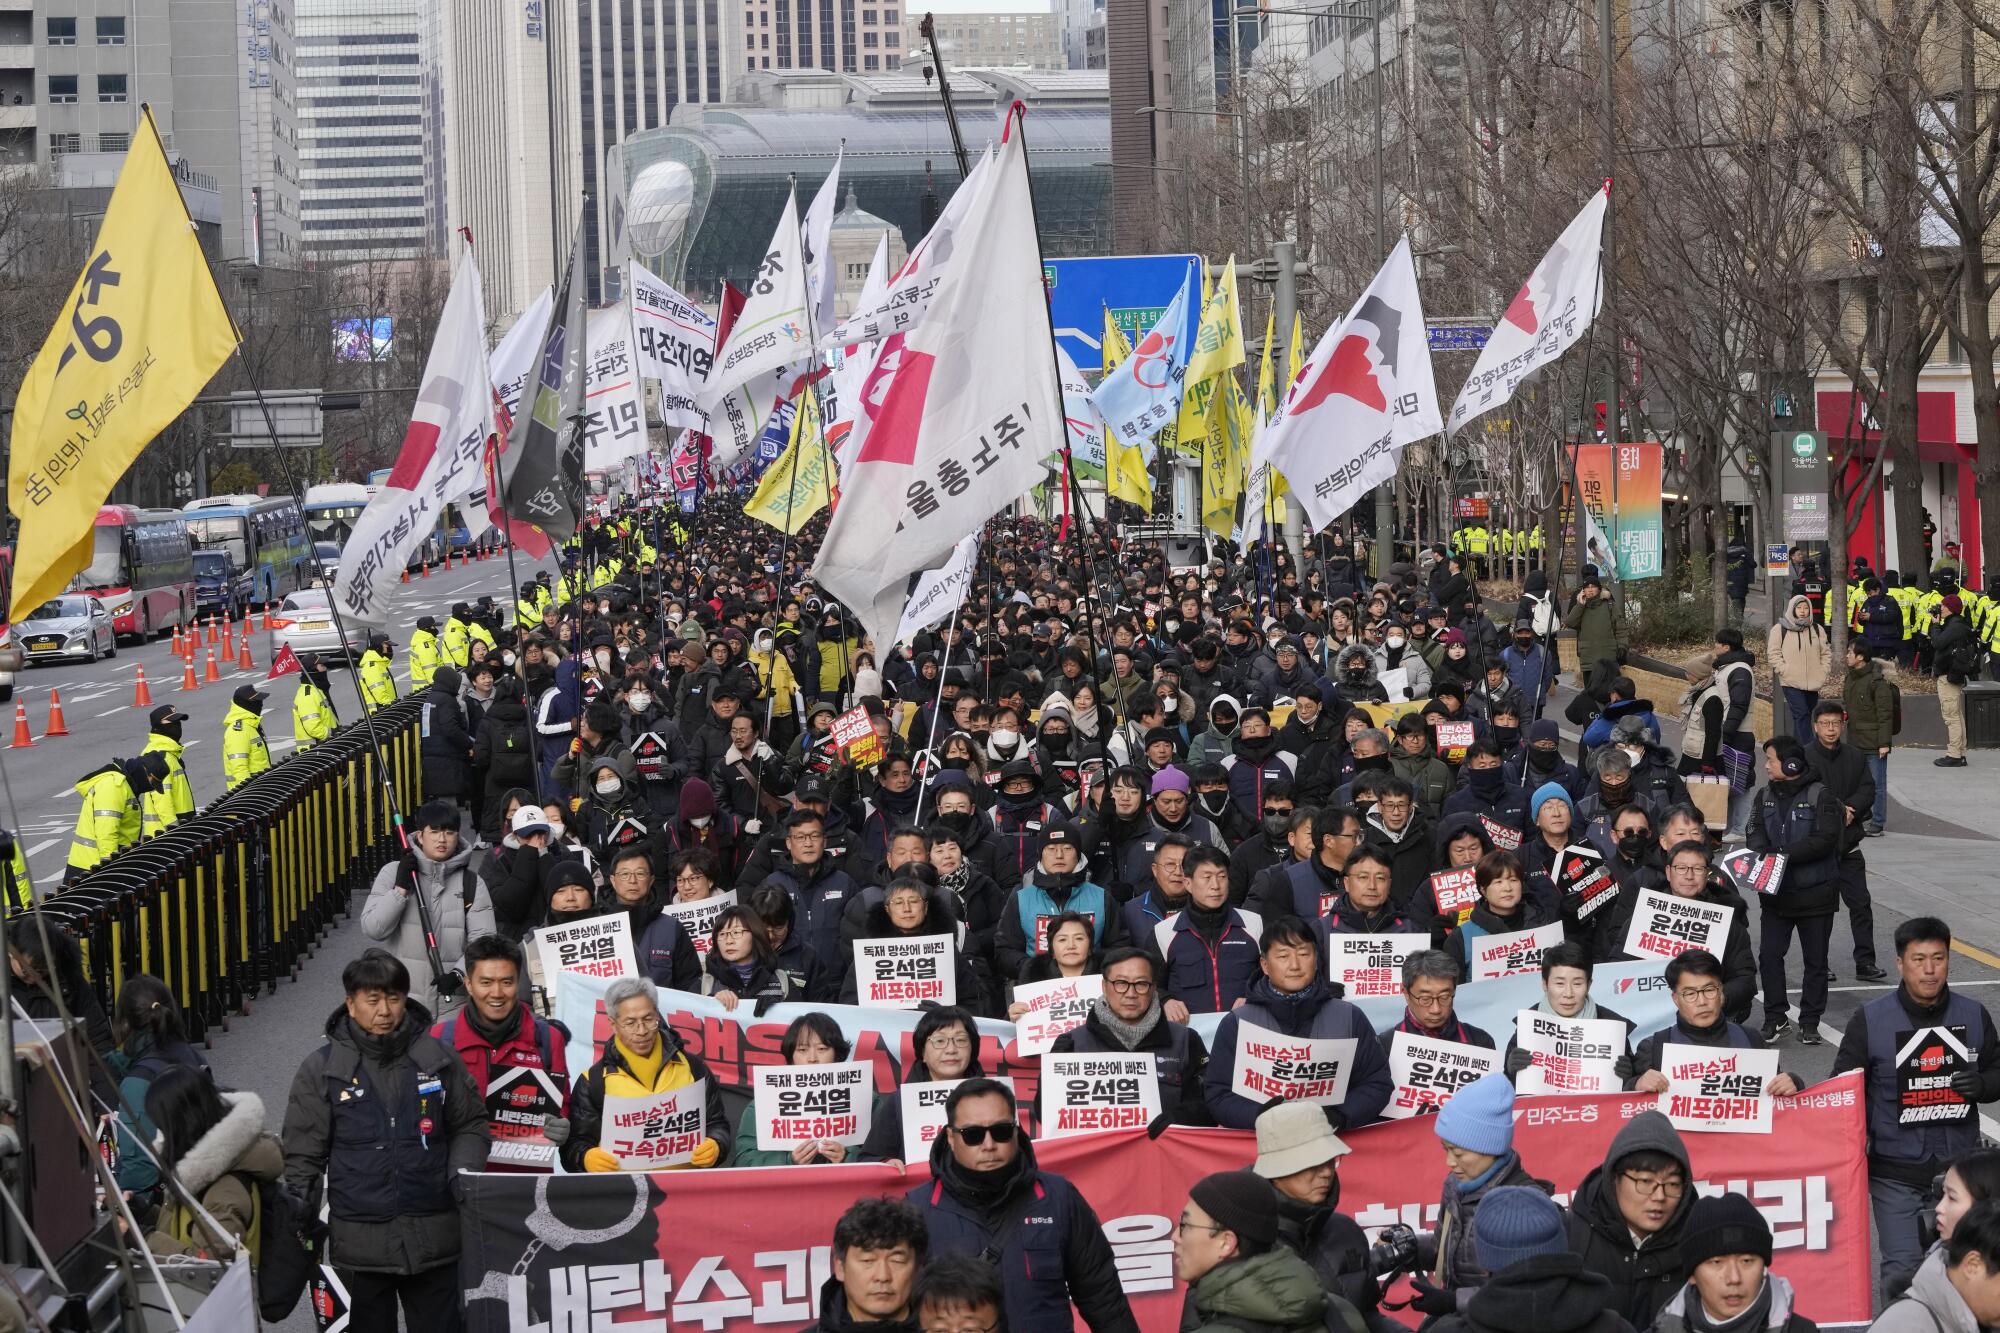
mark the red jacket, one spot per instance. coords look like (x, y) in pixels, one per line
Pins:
(537, 1043)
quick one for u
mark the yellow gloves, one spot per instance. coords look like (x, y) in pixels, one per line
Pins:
(596, 1159)
(708, 1154)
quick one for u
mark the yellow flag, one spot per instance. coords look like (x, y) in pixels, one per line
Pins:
(142, 331)
(1224, 460)
(1125, 475)
(1218, 339)
(798, 484)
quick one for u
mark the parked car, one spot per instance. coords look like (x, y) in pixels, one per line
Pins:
(70, 628)
(304, 624)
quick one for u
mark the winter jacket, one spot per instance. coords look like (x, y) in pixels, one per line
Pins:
(777, 984)
(504, 750)
(224, 1170)
(612, 1076)
(1333, 1245)
(175, 800)
(1642, 1279)
(1780, 1318)
(533, 1043)
(1549, 1293)
(1531, 673)
(1017, 828)
(1804, 820)
(1305, 889)
(1931, 1305)
(938, 920)
(1275, 1290)
(819, 895)
(136, 1065)
(244, 753)
(1023, 926)
(1912, 1154)
(459, 906)
(556, 711)
(1417, 672)
(355, 1116)
(1449, 1252)
(1870, 701)
(1208, 973)
(1312, 1012)
(516, 880)
(446, 747)
(1179, 1057)
(1600, 630)
(1954, 651)
(1648, 1054)
(1800, 659)
(833, 1315)
(1409, 853)
(1739, 959)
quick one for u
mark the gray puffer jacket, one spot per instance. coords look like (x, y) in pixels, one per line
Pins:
(460, 911)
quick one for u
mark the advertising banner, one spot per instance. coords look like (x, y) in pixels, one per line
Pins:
(1621, 491)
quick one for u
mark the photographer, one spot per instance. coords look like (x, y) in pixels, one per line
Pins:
(1298, 1152)
(453, 910)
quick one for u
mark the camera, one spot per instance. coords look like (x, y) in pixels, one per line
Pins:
(1394, 1251)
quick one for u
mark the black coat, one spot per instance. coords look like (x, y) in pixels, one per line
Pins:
(446, 748)
(1550, 1293)
(1642, 1280)
(1334, 1245)
(516, 880)
(503, 749)
(586, 1103)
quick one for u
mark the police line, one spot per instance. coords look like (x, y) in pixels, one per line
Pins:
(222, 904)
(745, 1248)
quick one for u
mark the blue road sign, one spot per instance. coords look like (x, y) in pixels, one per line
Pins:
(1458, 337)
(1137, 288)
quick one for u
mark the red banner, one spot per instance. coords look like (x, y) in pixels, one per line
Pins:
(743, 1249)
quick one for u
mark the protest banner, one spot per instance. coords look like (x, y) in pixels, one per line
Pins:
(659, 1129)
(1664, 926)
(518, 1100)
(1371, 964)
(904, 973)
(1427, 1072)
(1090, 1094)
(1568, 1054)
(813, 1104)
(599, 947)
(855, 739)
(1714, 1090)
(1456, 893)
(1503, 836)
(736, 1251)
(1926, 1059)
(1054, 1007)
(922, 1105)
(1513, 951)
(1298, 1069)
(698, 917)
(1581, 876)
(1753, 872)
(1452, 740)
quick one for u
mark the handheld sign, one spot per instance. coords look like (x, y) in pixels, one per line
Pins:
(1664, 926)
(1513, 952)
(904, 973)
(1753, 872)
(1396, 682)
(600, 946)
(813, 1104)
(1568, 1054)
(1452, 740)
(922, 1105)
(1086, 1094)
(1503, 836)
(1717, 1090)
(517, 1102)
(1298, 1069)
(1586, 886)
(658, 1130)
(1926, 1058)
(1456, 893)
(1054, 1007)
(698, 918)
(1371, 964)
(1427, 1072)
(854, 737)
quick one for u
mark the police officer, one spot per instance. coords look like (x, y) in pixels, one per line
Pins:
(16, 892)
(244, 753)
(313, 718)
(528, 606)
(455, 644)
(478, 625)
(111, 816)
(175, 799)
(377, 685)
(423, 653)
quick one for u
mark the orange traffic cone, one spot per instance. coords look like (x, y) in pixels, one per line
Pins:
(22, 738)
(189, 681)
(141, 696)
(228, 638)
(56, 727)
(270, 621)
(212, 634)
(177, 641)
(211, 676)
(243, 660)
(427, 569)
(406, 573)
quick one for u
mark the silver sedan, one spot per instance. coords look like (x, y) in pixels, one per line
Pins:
(70, 628)
(304, 623)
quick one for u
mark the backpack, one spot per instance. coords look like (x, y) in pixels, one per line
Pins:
(287, 1248)
(1543, 614)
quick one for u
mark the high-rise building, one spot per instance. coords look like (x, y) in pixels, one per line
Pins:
(846, 36)
(503, 67)
(219, 76)
(1136, 60)
(991, 39)
(368, 145)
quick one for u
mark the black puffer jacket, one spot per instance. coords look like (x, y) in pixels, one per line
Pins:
(1550, 1293)
(446, 748)
(1642, 1280)
(1334, 1245)
(503, 748)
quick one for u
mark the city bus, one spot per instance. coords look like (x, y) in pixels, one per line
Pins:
(263, 535)
(141, 569)
(332, 510)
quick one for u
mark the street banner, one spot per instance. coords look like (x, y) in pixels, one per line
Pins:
(1568, 1054)
(656, 1130)
(1456, 893)
(1054, 1007)
(1298, 1069)
(813, 1104)
(1664, 926)
(1371, 964)
(675, 339)
(1717, 1090)
(518, 1100)
(698, 917)
(939, 591)
(614, 406)
(1427, 1072)
(1504, 836)
(922, 1105)
(1754, 872)
(1514, 951)
(906, 973)
(1926, 1059)
(743, 1250)
(1620, 484)
(1584, 883)
(600, 946)
(1091, 1094)
(854, 737)
(541, 461)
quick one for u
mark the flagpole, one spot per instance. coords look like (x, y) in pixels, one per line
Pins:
(937, 707)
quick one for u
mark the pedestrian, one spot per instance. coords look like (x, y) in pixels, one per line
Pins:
(1226, 1249)
(1955, 657)
(811, 1039)
(385, 1119)
(642, 1057)
(151, 1040)
(1800, 653)
(497, 1031)
(215, 1144)
(1694, 980)
(1210, 948)
(1299, 1154)
(1538, 1285)
(660, 944)
(984, 1188)
(244, 753)
(111, 816)
(1849, 774)
(378, 687)
(1129, 1018)
(445, 747)
(428, 905)
(1058, 884)
(1627, 1217)
(1959, 1292)
(1567, 969)
(1726, 1256)
(1798, 815)
(1600, 630)
(1873, 705)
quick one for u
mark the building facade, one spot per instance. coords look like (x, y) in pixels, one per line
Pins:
(845, 36)
(367, 146)
(990, 39)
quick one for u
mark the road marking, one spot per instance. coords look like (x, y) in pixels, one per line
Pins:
(1976, 954)
(112, 712)
(42, 846)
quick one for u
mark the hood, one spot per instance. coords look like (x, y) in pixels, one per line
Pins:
(238, 711)
(1779, 1314)
(1648, 1131)
(697, 799)
(1453, 827)
(237, 1142)
(416, 1021)
(507, 709)
(1551, 1293)
(1275, 1287)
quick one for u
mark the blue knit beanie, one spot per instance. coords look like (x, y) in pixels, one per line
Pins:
(1480, 1118)
(1516, 1222)
(1549, 791)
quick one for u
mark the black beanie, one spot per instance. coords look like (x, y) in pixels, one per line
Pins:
(1244, 1203)
(1725, 1224)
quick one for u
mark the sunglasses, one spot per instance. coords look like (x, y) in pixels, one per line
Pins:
(974, 1135)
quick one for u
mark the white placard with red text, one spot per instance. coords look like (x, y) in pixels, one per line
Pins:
(1427, 1072)
(1514, 952)
(1717, 1089)
(813, 1104)
(1569, 1055)
(698, 917)
(1456, 893)
(1371, 964)
(1087, 1094)
(905, 973)
(922, 1105)
(658, 1130)
(1054, 1007)
(1664, 926)
(600, 946)
(1298, 1069)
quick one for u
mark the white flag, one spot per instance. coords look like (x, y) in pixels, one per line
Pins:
(970, 411)
(1365, 392)
(902, 303)
(938, 592)
(857, 360)
(676, 344)
(820, 273)
(1546, 317)
(1085, 422)
(441, 461)
(515, 356)
(770, 334)
(614, 424)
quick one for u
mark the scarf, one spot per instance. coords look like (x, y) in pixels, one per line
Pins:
(645, 1068)
(957, 880)
(493, 1034)
(1753, 1315)
(1087, 722)
(1128, 1035)
(1585, 1014)
(982, 1190)
(1208, 923)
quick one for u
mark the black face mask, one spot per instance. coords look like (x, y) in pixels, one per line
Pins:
(1632, 846)
(1487, 782)
(1524, 644)
(171, 730)
(1506, 736)
(1543, 761)
(1374, 763)
(1276, 826)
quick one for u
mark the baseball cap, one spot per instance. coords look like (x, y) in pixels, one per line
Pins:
(529, 819)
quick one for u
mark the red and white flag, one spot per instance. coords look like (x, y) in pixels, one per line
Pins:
(969, 408)
(286, 663)
(1545, 318)
(1366, 391)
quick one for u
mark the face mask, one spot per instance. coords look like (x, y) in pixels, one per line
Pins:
(1056, 742)
(1005, 738)
(1170, 704)
(171, 730)
(702, 821)
(641, 702)
(1357, 674)
(1543, 760)
(1524, 643)
(1485, 781)
(1374, 763)
(610, 787)
(1276, 826)
(604, 659)
(1212, 802)
(1506, 735)
(1394, 641)
(507, 659)
(555, 829)
(1638, 756)
(1225, 725)
(1633, 845)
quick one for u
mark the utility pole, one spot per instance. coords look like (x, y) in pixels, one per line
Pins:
(1385, 494)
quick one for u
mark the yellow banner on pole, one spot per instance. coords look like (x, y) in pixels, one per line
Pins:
(799, 482)
(1125, 475)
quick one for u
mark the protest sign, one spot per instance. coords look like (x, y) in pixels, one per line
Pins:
(698, 917)
(1753, 872)
(1513, 951)
(599, 947)
(1664, 926)
(1503, 836)
(1427, 1072)
(854, 737)
(904, 973)
(1456, 893)
(813, 1104)
(1054, 1007)
(1298, 1069)
(1371, 964)
(1713, 1089)
(518, 1100)
(659, 1129)
(1586, 886)
(922, 1105)
(1452, 739)
(1569, 1054)
(1088, 1094)
(1926, 1058)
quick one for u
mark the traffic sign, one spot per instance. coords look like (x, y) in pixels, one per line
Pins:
(1137, 288)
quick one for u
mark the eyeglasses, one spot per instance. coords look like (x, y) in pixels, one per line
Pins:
(974, 1135)
(643, 1023)
(1698, 993)
(692, 877)
(949, 1041)
(1666, 1187)
(802, 836)
(732, 932)
(1123, 987)
(1187, 1226)
(1680, 868)
(1344, 834)
(965, 1325)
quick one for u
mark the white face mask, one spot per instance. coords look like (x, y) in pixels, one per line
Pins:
(555, 829)
(1395, 641)
(604, 659)
(609, 788)
(1004, 737)
(702, 821)
(1170, 704)
(1637, 755)
(641, 702)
